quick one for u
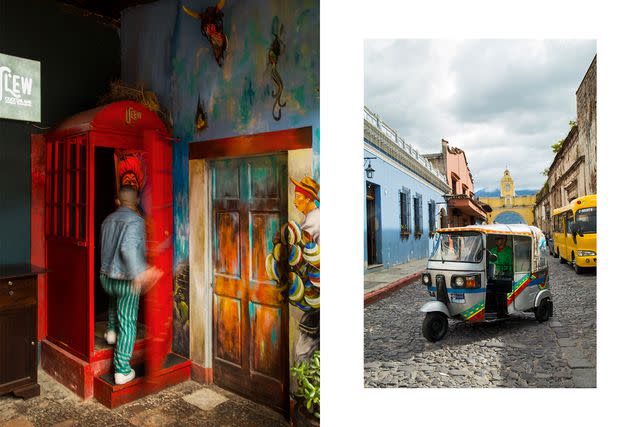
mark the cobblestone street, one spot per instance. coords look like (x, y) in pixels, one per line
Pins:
(514, 352)
(185, 404)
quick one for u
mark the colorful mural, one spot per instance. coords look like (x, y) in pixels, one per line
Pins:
(131, 169)
(274, 53)
(212, 28)
(295, 265)
(201, 117)
(235, 91)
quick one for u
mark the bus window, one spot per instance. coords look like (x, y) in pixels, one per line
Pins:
(569, 221)
(586, 219)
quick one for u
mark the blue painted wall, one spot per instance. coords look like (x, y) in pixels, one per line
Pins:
(164, 51)
(391, 179)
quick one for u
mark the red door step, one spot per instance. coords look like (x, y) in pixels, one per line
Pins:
(175, 370)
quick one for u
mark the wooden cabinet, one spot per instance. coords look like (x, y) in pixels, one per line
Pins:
(18, 330)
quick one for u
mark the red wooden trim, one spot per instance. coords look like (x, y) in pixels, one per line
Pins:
(38, 177)
(89, 208)
(201, 374)
(69, 370)
(248, 145)
(107, 353)
(114, 396)
(65, 347)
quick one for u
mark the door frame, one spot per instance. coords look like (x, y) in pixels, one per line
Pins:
(373, 234)
(242, 146)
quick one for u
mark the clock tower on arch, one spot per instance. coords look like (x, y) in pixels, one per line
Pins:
(507, 189)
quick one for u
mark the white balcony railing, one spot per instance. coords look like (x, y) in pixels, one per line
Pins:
(393, 136)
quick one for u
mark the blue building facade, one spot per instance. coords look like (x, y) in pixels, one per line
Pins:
(403, 198)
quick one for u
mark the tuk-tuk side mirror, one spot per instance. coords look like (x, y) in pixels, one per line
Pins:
(492, 257)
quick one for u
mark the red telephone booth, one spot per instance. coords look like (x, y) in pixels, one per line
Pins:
(87, 157)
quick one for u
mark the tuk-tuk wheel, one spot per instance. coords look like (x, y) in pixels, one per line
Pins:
(435, 326)
(543, 311)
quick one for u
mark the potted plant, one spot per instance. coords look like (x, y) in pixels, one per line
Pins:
(307, 376)
(404, 231)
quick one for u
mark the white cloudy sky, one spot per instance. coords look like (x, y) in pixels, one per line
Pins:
(504, 102)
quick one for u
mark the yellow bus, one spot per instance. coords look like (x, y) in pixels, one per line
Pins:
(574, 233)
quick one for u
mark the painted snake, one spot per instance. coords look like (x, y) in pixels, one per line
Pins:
(274, 54)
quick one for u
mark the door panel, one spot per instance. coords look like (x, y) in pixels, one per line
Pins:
(263, 226)
(267, 340)
(158, 207)
(228, 329)
(67, 243)
(249, 204)
(228, 224)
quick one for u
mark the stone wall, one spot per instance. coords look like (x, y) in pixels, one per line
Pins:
(587, 134)
(573, 172)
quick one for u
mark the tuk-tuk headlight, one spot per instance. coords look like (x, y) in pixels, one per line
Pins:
(426, 279)
(466, 282)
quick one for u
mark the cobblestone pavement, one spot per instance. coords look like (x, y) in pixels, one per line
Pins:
(513, 352)
(185, 404)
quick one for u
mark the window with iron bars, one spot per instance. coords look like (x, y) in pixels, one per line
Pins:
(405, 212)
(417, 215)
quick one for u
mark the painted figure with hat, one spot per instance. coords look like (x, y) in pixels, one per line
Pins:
(306, 195)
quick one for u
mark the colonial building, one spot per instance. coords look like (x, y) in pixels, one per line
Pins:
(462, 207)
(573, 172)
(509, 208)
(403, 193)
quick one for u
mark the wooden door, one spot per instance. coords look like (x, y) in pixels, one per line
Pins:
(372, 248)
(67, 244)
(158, 206)
(250, 330)
(18, 349)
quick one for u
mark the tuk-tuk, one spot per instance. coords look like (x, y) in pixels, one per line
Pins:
(485, 272)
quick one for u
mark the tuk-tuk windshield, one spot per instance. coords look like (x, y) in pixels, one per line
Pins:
(458, 247)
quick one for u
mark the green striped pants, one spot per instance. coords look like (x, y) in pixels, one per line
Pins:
(123, 307)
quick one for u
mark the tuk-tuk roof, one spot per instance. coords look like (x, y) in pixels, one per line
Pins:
(517, 229)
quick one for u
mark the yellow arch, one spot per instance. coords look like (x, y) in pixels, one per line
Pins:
(522, 205)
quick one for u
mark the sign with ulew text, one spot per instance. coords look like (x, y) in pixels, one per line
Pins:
(19, 88)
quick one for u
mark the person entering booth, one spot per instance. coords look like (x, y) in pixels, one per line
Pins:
(124, 273)
(90, 156)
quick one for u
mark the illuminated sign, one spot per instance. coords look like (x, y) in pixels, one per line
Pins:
(19, 88)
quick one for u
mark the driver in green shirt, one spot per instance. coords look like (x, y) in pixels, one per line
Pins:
(504, 254)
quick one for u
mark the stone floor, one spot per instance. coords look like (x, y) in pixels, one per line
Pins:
(514, 352)
(380, 277)
(186, 404)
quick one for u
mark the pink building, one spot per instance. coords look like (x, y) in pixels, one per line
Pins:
(462, 208)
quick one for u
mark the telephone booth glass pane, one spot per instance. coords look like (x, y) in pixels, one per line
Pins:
(59, 190)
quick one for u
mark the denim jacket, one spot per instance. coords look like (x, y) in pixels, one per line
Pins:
(123, 245)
